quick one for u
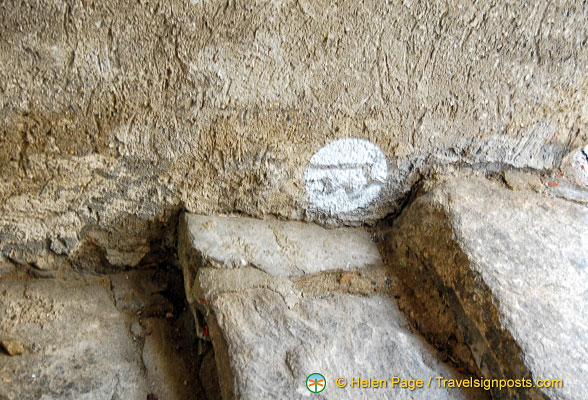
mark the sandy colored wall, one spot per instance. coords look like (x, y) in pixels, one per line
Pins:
(114, 115)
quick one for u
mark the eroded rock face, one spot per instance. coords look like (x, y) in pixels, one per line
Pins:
(276, 313)
(99, 337)
(88, 353)
(116, 116)
(511, 268)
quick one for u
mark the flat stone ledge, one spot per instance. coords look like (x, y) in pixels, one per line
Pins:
(276, 247)
(76, 344)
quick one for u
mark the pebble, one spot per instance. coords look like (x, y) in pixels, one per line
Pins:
(12, 347)
(136, 328)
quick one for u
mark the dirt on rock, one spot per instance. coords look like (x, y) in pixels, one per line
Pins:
(107, 336)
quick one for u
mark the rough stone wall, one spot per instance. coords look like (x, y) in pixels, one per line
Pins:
(114, 115)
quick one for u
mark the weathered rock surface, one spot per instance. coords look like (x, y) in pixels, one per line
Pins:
(114, 116)
(575, 166)
(279, 248)
(275, 323)
(79, 345)
(512, 269)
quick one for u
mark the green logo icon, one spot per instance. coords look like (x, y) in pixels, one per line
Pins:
(316, 383)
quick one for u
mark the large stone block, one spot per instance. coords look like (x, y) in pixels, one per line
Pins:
(281, 300)
(512, 270)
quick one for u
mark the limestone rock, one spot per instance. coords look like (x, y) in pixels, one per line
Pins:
(512, 270)
(517, 180)
(278, 248)
(575, 166)
(569, 191)
(125, 258)
(271, 327)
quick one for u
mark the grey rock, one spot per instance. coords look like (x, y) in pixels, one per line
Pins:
(36, 254)
(82, 349)
(79, 345)
(63, 246)
(278, 248)
(575, 166)
(273, 348)
(512, 268)
(519, 180)
(6, 267)
(125, 258)
(269, 331)
(569, 191)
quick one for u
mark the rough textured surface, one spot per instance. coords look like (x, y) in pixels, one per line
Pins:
(270, 330)
(273, 349)
(80, 342)
(12, 347)
(511, 269)
(279, 247)
(576, 166)
(88, 353)
(115, 114)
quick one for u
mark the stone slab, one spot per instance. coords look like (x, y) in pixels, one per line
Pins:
(120, 336)
(513, 268)
(76, 344)
(271, 328)
(279, 248)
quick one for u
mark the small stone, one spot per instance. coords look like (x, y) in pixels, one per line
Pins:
(518, 180)
(126, 258)
(12, 347)
(136, 328)
(345, 278)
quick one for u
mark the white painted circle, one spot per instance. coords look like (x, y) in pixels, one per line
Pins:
(345, 175)
(580, 166)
